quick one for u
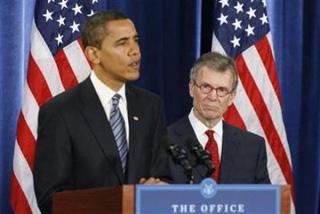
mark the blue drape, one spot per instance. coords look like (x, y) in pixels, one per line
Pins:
(172, 35)
(15, 21)
(296, 27)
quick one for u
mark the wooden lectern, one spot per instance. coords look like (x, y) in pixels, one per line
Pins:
(117, 200)
(99, 200)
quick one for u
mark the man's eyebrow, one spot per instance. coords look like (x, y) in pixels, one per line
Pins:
(122, 39)
(126, 38)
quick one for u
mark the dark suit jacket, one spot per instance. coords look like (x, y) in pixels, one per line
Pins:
(76, 148)
(243, 158)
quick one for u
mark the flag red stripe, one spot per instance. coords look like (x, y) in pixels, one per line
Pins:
(67, 75)
(233, 117)
(26, 140)
(264, 50)
(264, 117)
(37, 83)
(18, 199)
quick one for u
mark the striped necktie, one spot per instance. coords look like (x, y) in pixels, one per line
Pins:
(119, 131)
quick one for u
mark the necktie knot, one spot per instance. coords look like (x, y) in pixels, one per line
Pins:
(209, 133)
(115, 100)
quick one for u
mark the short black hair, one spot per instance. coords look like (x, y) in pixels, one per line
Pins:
(95, 29)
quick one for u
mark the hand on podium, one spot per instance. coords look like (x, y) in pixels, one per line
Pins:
(152, 180)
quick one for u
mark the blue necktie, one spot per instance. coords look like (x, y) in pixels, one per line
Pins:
(119, 130)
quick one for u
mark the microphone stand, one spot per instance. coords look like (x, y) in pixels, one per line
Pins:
(187, 167)
(203, 156)
(179, 155)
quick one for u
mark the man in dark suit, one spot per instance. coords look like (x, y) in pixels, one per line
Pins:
(103, 132)
(238, 156)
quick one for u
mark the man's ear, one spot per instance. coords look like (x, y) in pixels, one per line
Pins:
(232, 97)
(191, 87)
(92, 54)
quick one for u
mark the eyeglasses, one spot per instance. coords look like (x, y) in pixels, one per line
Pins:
(206, 89)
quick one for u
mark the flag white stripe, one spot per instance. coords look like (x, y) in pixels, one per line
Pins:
(216, 46)
(269, 38)
(77, 60)
(24, 177)
(30, 110)
(45, 61)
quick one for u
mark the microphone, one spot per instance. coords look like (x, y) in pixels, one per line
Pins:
(203, 156)
(180, 157)
(178, 154)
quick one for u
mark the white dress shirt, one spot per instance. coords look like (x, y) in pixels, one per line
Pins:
(105, 95)
(200, 129)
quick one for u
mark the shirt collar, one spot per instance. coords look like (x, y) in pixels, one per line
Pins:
(104, 92)
(199, 128)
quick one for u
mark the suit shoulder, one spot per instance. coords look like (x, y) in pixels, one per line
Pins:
(61, 101)
(176, 125)
(143, 94)
(246, 135)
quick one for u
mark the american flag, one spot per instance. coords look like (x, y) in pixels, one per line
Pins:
(241, 30)
(56, 63)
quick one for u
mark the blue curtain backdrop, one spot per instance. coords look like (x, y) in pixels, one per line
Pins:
(173, 34)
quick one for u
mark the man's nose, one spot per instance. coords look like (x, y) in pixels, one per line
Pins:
(134, 48)
(213, 94)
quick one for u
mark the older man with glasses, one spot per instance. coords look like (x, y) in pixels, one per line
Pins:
(237, 156)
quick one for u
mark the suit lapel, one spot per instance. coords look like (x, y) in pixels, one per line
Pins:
(97, 120)
(184, 130)
(229, 150)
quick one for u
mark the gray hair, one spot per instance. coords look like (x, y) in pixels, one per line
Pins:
(216, 62)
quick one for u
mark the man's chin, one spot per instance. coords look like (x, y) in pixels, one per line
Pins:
(211, 115)
(133, 76)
